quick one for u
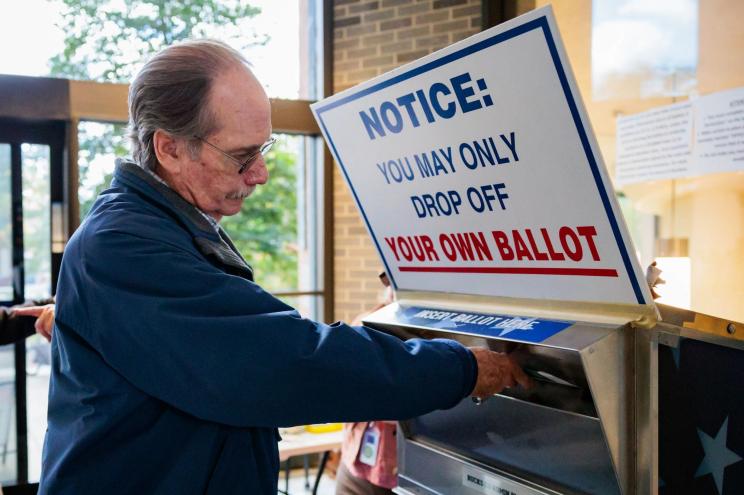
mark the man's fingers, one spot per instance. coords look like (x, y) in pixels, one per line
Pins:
(44, 323)
(522, 379)
(29, 311)
(44, 333)
(497, 371)
(508, 381)
(41, 325)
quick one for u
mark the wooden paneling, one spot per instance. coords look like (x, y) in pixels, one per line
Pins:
(293, 116)
(98, 101)
(108, 102)
(34, 98)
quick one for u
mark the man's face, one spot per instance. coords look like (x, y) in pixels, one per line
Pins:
(211, 180)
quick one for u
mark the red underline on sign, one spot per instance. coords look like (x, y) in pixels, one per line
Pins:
(581, 272)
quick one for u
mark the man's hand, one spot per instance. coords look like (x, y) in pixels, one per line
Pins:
(653, 279)
(496, 371)
(44, 321)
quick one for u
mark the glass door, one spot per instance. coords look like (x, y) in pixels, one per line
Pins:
(31, 212)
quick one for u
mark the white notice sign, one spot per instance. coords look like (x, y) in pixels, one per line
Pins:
(476, 172)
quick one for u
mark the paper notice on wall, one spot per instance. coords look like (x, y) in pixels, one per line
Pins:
(719, 130)
(687, 139)
(654, 145)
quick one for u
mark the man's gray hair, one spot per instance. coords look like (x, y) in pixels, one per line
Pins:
(171, 93)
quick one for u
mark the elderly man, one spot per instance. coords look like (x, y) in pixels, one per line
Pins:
(172, 369)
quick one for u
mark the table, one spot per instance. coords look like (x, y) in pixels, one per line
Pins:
(294, 444)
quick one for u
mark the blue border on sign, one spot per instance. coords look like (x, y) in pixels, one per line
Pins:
(539, 23)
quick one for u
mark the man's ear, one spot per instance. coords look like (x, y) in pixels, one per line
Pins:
(168, 151)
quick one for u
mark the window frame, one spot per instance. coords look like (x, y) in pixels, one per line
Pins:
(15, 131)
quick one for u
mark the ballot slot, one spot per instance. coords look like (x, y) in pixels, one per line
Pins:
(555, 366)
(552, 436)
(557, 374)
(557, 377)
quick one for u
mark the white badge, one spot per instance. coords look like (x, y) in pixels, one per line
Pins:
(370, 445)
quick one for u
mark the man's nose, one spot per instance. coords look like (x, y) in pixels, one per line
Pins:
(257, 173)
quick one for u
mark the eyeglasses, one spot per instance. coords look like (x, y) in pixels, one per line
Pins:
(243, 164)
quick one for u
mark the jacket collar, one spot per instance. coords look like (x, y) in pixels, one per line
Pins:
(210, 242)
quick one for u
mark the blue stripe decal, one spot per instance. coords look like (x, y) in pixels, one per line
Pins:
(521, 329)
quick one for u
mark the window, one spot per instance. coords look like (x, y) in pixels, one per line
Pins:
(8, 450)
(99, 144)
(36, 221)
(644, 49)
(279, 231)
(6, 235)
(7, 359)
(667, 82)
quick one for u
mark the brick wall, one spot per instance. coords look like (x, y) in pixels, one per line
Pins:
(369, 39)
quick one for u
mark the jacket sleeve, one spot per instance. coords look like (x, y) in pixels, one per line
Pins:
(14, 328)
(219, 347)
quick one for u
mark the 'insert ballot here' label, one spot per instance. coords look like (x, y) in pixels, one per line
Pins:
(519, 328)
(476, 172)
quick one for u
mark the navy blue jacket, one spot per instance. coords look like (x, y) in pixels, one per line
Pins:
(172, 369)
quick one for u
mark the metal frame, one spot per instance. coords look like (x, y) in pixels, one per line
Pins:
(512, 481)
(328, 207)
(16, 131)
(16, 174)
(641, 316)
(495, 12)
(699, 326)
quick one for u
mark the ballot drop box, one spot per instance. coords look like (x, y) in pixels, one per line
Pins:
(481, 184)
(576, 431)
(611, 410)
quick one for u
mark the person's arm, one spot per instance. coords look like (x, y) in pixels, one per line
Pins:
(220, 348)
(17, 322)
(13, 327)
(496, 371)
(44, 318)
